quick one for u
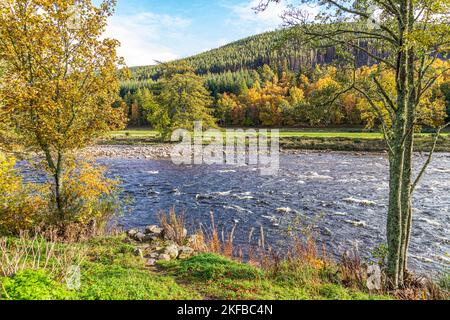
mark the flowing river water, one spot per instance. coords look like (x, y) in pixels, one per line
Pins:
(342, 196)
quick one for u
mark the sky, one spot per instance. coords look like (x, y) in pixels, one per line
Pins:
(164, 30)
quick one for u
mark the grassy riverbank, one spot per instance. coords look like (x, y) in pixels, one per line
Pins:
(111, 270)
(341, 139)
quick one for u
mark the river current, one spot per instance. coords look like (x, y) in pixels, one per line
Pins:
(342, 197)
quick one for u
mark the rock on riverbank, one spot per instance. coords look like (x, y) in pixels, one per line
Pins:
(156, 244)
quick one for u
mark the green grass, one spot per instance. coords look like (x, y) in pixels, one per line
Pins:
(111, 271)
(135, 133)
(284, 133)
(335, 139)
(221, 278)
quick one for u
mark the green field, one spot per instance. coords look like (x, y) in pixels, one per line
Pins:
(145, 133)
(334, 139)
(284, 133)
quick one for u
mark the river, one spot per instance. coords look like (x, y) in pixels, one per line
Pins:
(343, 196)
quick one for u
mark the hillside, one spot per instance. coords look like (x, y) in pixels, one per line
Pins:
(269, 48)
(290, 84)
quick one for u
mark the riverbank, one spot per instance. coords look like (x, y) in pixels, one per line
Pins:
(153, 151)
(142, 148)
(147, 265)
(364, 142)
(128, 151)
(114, 268)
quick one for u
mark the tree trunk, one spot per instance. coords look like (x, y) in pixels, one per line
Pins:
(409, 149)
(406, 201)
(58, 187)
(394, 220)
(394, 226)
(406, 205)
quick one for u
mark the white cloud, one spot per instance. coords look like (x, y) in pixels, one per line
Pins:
(268, 19)
(258, 21)
(143, 36)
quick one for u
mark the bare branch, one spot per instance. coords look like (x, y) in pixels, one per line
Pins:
(350, 44)
(379, 113)
(364, 15)
(430, 157)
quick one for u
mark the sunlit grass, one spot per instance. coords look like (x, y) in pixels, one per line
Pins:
(284, 133)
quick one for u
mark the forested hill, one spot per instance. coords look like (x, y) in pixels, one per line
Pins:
(250, 53)
(263, 80)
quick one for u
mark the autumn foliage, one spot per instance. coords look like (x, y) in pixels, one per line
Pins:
(21, 203)
(59, 92)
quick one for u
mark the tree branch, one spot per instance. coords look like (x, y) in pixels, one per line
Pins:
(430, 157)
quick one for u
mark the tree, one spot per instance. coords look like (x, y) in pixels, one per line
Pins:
(225, 106)
(61, 79)
(148, 103)
(317, 110)
(183, 100)
(430, 111)
(266, 74)
(407, 37)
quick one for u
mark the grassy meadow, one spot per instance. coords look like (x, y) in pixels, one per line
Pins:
(327, 139)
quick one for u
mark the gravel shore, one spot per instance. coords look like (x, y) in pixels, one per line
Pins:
(161, 151)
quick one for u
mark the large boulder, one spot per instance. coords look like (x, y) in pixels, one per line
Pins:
(132, 233)
(153, 230)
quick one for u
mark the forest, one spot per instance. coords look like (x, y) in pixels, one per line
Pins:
(265, 81)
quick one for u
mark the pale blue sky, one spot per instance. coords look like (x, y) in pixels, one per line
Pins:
(163, 30)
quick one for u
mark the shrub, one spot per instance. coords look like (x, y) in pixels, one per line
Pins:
(173, 226)
(20, 202)
(210, 266)
(89, 200)
(33, 285)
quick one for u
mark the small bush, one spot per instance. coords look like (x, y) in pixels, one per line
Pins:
(20, 202)
(173, 226)
(209, 266)
(33, 285)
(89, 201)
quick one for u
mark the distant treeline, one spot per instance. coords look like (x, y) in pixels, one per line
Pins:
(267, 80)
(265, 97)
